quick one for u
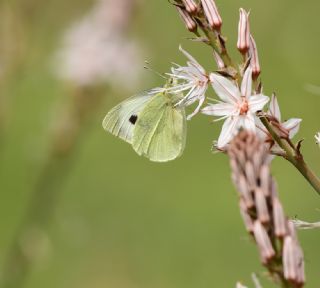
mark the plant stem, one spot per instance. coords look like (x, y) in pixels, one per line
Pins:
(292, 155)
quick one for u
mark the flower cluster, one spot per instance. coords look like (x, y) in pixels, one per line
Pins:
(239, 90)
(97, 49)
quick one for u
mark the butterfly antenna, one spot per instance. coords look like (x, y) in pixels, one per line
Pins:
(147, 67)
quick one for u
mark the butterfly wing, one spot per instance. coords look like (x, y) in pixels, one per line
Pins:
(160, 132)
(120, 120)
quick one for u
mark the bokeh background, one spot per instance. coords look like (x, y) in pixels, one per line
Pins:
(117, 219)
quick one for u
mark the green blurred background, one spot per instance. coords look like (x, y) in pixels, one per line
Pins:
(120, 220)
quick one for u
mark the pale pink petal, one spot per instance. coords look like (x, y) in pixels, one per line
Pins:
(246, 84)
(193, 61)
(225, 89)
(274, 108)
(248, 122)
(257, 102)
(228, 131)
(196, 111)
(221, 109)
(292, 125)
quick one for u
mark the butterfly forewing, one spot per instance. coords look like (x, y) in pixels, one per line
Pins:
(121, 119)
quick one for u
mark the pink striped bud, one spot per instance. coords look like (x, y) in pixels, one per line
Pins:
(212, 14)
(191, 25)
(245, 192)
(243, 43)
(263, 241)
(254, 62)
(262, 207)
(191, 6)
(218, 60)
(289, 259)
(280, 221)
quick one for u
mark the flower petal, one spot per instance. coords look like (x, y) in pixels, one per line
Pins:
(193, 61)
(257, 102)
(292, 125)
(196, 111)
(274, 108)
(228, 131)
(246, 84)
(248, 122)
(221, 109)
(224, 88)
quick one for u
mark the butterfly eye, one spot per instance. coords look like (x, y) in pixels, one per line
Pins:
(133, 119)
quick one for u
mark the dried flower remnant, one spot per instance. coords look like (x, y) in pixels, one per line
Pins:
(277, 242)
(212, 14)
(243, 43)
(97, 49)
(192, 78)
(237, 106)
(303, 225)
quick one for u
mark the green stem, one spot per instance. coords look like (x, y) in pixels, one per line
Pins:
(220, 50)
(293, 156)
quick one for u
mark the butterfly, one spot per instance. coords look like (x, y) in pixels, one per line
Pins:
(151, 122)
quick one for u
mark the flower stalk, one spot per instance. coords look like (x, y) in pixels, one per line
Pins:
(263, 216)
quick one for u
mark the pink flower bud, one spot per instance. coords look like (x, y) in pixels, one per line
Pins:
(263, 241)
(289, 259)
(243, 43)
(280, 221)
(191, 25)
(254, 62)
(191, 6)
(262, 207)
(218, 60)
(212, 14)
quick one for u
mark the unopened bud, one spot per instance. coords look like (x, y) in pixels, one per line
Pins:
(280, 221)
(243, 43)
(218, 60)
(263, 241)
(262, 207)
(293, 263)
(254, 62)
(191, 6)
(212, 14)
(191, 25)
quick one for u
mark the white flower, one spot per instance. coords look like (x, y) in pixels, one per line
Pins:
(288, 128)
(237, 106)
(317, 136)
(192, 78)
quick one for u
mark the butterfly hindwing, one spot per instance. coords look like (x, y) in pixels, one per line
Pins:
(160, 130)
(121, 120)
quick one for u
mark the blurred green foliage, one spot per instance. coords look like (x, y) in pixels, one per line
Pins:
(122, 221)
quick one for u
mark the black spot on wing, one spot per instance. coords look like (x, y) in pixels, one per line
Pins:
(133, 119)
